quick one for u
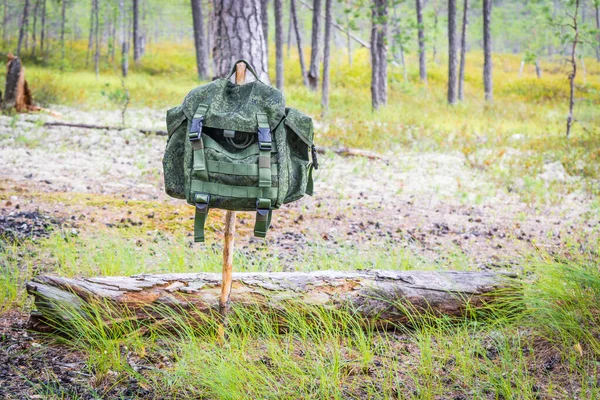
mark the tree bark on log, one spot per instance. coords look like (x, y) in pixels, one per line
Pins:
(383, 296)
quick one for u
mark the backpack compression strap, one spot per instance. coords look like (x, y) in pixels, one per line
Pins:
(199, 172)
(263, 203)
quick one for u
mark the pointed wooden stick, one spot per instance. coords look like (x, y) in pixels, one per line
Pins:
(240, 79)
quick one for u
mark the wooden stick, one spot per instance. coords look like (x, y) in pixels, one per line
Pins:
(240, 79)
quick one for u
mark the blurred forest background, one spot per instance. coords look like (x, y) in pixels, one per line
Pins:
(453, 135)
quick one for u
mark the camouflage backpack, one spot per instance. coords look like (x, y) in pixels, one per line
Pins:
(237, 147)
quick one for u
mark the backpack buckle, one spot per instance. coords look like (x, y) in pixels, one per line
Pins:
(196, 129)
(201, 200)
(265, 139)
(263, 206)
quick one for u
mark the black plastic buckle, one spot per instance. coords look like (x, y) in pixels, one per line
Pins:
(196, 129)
(202, 205)
(260, 206)
(264, 139)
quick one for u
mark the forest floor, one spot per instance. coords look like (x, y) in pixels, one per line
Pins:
(406, 210)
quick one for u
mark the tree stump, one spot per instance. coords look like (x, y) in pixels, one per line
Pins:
(16, 90)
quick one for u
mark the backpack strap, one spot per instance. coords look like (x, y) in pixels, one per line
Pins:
(201, 200)
(263, 203)
(199, 172)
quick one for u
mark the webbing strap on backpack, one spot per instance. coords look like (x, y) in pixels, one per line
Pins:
(263, 202)
(199, 172)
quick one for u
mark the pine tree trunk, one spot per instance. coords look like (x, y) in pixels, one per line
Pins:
(234, 40)
(326, 56)
(313, 71)
(379, 54)
(201, 54)
(278, 8)
(23, 26)
(487, 50)
(421, 37)
(289, 35)
(348, 41)
(382, 296)
(137, 53)
(91, 35)
(435, 31)
(264, 15)
(96, 35)
(463, 51)
(573, 73)
(34, 36)
(4, 20)
(538, 69)
(298, 41)
(597, 7)
(43, 33)
(63, 20)
(124, 40)
(452, 53)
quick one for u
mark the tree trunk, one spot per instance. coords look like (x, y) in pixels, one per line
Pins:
(201, 54)
(463, 51)
(298, 41)
(349, 41)
(573, 60)
(63, 18)
(124, 41)
(22, 26)
(91, 35)
(43, 33)
(289, 35)
(435, 31)
(34, 36)
(97, 44)
(278, 6)
(234, 40)
(421, 37)
(382, 296)
(452, 53)
(4, 20)
(264, 15)
(313, 71)
(379, 54)
(597, 7)
(487, 50)
(538, 69)
(137, 53)
(326, 56)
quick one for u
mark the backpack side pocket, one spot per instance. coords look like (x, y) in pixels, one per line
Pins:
(174, 156)
(299, 132)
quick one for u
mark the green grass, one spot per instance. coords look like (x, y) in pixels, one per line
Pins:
(501, 351)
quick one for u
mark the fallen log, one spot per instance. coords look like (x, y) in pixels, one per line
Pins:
(376, 294)
(157, 132)
(350, 152)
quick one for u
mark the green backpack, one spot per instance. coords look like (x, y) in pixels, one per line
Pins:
(237, 147)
